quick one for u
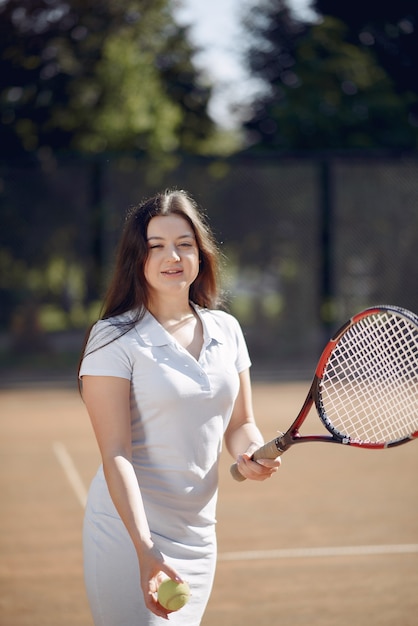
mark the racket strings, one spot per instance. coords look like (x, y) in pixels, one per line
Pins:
(386, 392)
(369, 388)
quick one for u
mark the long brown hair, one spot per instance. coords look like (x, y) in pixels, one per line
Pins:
(128, 290)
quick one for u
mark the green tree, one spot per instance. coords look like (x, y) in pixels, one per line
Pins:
(98, 75)
(86, 77)
(390, 30)
(323, 91)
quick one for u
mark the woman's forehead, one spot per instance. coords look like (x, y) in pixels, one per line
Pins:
(169, 225)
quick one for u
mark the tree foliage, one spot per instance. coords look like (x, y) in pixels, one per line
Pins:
(98, 75)
(325, 88)
(390, 30)
(80, 79)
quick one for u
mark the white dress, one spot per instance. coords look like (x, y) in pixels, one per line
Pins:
(180, 409)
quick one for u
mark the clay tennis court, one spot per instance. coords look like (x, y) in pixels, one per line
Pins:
(332, 540)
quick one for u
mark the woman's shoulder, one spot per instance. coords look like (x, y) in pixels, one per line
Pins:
(220, 317)
(114, 327)
(115, 321)
(225, 328)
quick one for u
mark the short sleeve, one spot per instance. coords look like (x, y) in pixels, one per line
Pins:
(107, 352)
(243, 360)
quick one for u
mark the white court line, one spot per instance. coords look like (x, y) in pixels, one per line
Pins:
(70, 471)
(80, 491)
(301, 553)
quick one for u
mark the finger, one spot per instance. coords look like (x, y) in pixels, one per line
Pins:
(151, 602)
(254, 470)
(249, 468)
(172, 573)
(270, 463)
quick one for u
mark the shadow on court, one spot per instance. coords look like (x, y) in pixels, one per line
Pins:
(332, 540)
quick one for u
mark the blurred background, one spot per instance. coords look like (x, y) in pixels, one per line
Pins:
(293, 124)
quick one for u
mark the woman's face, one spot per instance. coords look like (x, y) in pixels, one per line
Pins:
(172, 263)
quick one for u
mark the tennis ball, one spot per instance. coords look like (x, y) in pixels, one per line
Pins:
(172, 596)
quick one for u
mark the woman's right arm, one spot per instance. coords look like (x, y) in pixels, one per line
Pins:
(107, 399)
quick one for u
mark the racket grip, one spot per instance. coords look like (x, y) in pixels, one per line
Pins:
(268, 451)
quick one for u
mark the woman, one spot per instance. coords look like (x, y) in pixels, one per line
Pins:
(165, 377)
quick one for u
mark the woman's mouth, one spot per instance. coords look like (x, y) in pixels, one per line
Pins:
(172, 272)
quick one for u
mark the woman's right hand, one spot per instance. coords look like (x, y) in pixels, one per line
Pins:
(153, 570)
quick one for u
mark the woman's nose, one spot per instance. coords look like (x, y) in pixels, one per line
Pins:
(174, 254)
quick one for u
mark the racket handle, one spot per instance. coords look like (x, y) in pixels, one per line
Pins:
(268, 451)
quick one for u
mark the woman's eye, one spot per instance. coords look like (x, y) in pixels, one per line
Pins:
(183, 244)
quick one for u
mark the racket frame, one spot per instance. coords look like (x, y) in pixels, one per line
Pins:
(276, 447)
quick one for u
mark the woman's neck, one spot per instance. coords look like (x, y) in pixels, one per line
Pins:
(168, 314)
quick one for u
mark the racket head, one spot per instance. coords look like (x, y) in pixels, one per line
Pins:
(366, 381)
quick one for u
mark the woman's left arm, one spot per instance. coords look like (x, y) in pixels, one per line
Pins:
(242, 437)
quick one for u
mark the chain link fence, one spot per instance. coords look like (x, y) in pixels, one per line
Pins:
(307, 243)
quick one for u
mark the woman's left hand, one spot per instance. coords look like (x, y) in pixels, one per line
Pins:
(257, 470)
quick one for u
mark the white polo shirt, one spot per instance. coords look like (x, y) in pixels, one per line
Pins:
(180, 409)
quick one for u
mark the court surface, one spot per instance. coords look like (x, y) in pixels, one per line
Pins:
(332, 540)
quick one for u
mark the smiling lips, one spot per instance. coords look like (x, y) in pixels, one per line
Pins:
(172, 272)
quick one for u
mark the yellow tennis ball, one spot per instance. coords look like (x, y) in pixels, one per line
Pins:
(172, 596)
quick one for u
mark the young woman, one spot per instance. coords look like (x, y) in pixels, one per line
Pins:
(165, 378)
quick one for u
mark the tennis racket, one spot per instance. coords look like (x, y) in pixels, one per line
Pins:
(365, 387)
